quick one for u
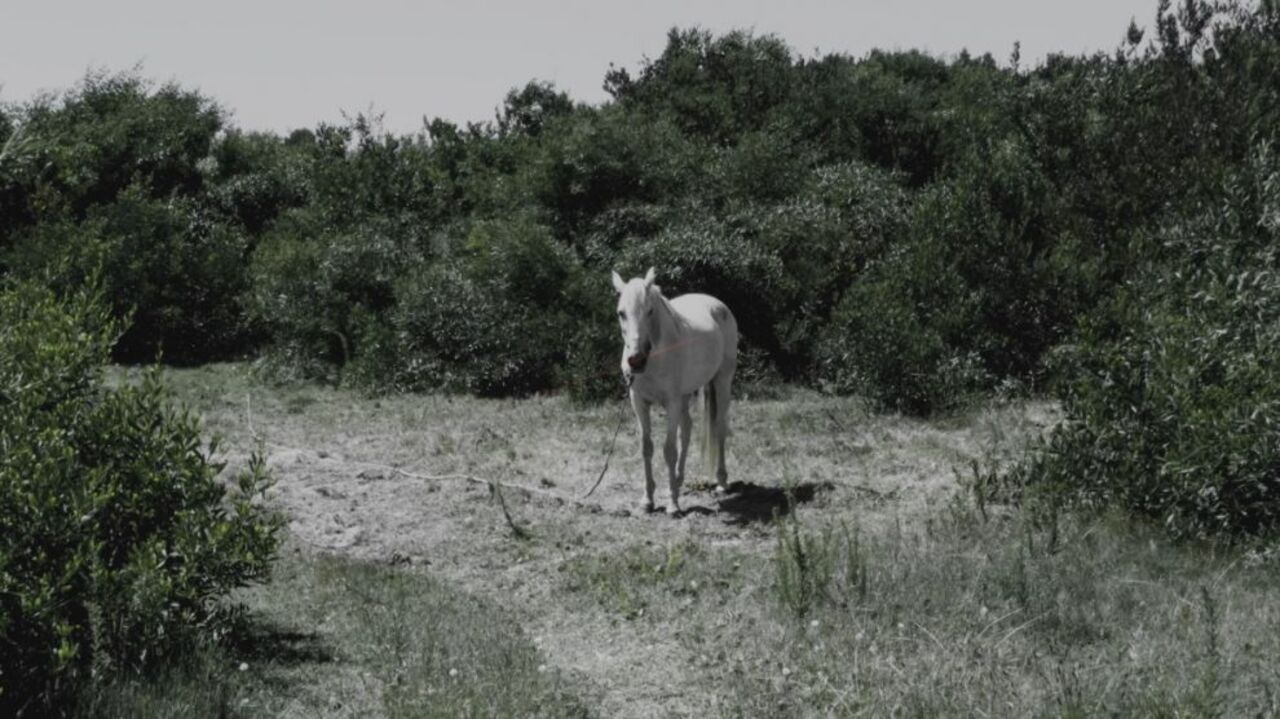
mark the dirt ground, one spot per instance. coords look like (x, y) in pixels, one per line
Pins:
(354, 478)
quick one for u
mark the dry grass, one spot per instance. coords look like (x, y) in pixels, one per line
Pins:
(892, 594)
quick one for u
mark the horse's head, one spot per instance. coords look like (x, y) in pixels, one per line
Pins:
(636, 300)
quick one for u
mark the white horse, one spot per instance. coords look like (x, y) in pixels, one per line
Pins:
(672, 349)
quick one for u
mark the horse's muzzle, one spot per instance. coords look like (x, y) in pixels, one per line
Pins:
(637, 362)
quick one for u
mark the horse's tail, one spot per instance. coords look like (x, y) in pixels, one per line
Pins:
(710, 447)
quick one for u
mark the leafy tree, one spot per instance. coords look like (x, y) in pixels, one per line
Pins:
(87, 146)
(527, 110)
(176, 271)
(714, 88)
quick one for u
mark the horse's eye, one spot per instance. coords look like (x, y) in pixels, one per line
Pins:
(650, 310)
(622, 315)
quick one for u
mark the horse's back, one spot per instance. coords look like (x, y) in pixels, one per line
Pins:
(705, 314)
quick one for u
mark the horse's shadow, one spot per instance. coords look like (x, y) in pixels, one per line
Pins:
(747, 502)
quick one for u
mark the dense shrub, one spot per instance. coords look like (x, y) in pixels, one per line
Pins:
(985, 280)
(109, 173)
(881, 348)
(765, 166)
(592, 364)
(1171, 391)
(715, 88)
(850, 214)
(592, 162)
(460, 334)
(357, 172)
(319, 291)
(176, 270)
(252, 178)
(494, 319)
(117, 540)
(890, 106)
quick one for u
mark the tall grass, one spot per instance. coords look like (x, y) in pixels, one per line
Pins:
(1011, 616)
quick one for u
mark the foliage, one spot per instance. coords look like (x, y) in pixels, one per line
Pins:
(87, 146)
(319, 291)
(252, 178)
(715, 88)
(492, 322)
(1171, 393)
(117, 540)
(176, 271)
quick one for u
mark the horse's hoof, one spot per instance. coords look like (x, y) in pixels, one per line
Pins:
(647, 506)
(673, 510)
(721, 489)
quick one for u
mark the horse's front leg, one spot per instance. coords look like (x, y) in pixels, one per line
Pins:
(674, 411)
(641, 408)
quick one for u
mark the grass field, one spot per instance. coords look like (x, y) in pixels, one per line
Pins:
(849, 574)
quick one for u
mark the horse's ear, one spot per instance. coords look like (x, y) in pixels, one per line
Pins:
(618, 284)
(649, 277)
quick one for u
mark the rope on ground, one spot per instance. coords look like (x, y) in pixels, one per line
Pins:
(517, 530)
(536, 491)
(622, 417)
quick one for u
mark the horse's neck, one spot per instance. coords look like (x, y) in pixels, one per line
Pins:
(669, 327)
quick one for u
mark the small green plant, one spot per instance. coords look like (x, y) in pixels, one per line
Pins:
(1207, 696)
(804, 564)
(814, 569)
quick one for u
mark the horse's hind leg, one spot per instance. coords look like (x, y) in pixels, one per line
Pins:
(722, 385)
(675, 413)
(686, 429)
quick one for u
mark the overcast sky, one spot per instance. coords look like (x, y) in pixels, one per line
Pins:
(280, 65)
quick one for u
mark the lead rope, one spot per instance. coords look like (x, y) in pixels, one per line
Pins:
(622, 416)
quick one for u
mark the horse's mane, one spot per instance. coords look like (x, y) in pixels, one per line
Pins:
(665, 303)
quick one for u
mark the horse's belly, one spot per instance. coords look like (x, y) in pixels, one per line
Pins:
(662, 388)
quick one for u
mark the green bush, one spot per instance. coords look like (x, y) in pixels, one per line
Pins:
(880, 347)
(848, 215)
(494, 319)
(766, 166)
(86, 146)
(117, 540)
(592, 162)
(897, 325)
(910, 227)
(177, 271)
(254, 177)
(456, 333)
(323, 294)
(985, 280)
(715, 88)
(591, 370)
(1171, 391)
